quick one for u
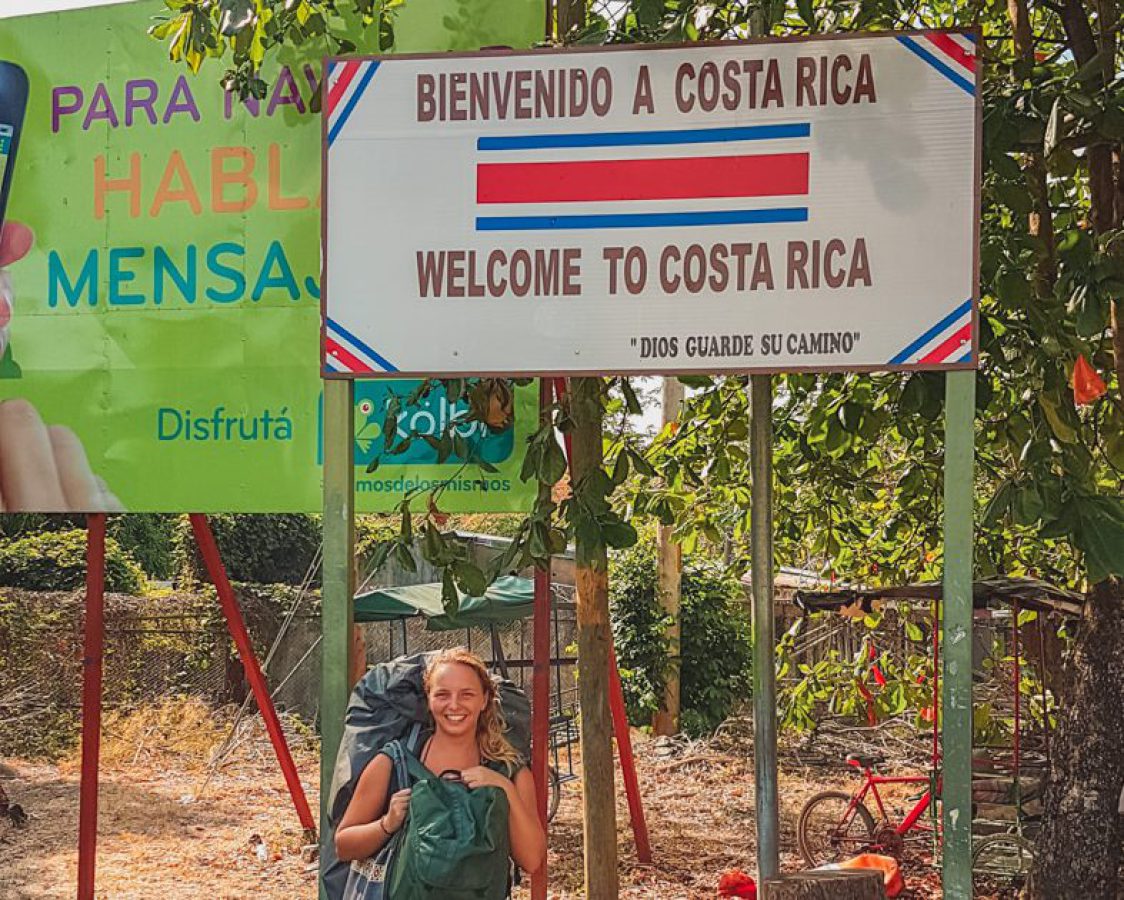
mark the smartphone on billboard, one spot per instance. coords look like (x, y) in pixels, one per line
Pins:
(13, 105)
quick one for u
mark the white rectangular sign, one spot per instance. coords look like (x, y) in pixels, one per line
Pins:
(768, 206)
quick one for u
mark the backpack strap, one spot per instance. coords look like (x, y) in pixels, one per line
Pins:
(398, 760)
(414, 767)
(413, 739)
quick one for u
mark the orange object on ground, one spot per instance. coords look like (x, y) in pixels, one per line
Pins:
(888, 866)
(1088, 386)
(735, 883)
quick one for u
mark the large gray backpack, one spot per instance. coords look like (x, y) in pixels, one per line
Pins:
(388, 705)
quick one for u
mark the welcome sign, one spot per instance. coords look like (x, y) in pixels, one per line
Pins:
(768, 206)
(168, 314)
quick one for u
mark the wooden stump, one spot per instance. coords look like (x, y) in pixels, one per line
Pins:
(828, 885)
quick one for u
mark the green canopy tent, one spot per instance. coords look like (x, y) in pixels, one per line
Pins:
(510, 598)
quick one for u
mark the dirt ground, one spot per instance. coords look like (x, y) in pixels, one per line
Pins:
(241, 837)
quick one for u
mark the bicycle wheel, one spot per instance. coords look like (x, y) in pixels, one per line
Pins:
(555, 794)
(1003, 859)
(828, 832)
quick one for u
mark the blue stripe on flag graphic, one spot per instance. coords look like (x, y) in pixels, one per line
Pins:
(645, 138)
(951, 74)
(904, 356)
(359, 345)
(964, 357)
(334, 132)
(643, 220)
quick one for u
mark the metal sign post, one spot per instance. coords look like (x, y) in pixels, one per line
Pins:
(956, 796)
(764, 639)
(337, 613)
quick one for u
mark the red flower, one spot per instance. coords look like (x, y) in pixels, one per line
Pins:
(1088, 386)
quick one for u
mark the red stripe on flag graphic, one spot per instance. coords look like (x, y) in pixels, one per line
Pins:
(340, 87)
(946, 348)
(763, 175)
(350, 362)
(949, 47)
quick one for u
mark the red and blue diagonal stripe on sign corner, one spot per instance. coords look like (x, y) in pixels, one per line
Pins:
(951, 54)
(347, 80)
(645, 190)
(345, 353)
(948, 341)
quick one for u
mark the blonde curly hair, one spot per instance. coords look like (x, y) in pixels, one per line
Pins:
(491, 726)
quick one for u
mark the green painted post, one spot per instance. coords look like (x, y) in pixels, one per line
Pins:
(764, 638)
(337, 614)
(960, 406)
(764, 624)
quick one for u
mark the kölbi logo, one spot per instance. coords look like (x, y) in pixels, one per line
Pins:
(429, 417)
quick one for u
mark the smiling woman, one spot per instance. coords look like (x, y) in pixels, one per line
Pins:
(393, 828)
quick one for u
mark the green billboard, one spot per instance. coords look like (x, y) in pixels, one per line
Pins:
(162, 352)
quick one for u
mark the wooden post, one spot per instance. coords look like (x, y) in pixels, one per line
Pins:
(540, 682)
(669, 569)
(594, 639)
(956, 795)
(571, 18)
(91, 704)
(825, 885)
(337, 614)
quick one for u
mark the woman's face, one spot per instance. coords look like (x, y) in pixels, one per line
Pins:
(456, 699)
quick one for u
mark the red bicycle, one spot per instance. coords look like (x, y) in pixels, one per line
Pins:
(834, 825)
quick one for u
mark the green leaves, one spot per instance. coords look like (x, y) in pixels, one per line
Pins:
(545, 461)
(247, 32)
(1100, 535)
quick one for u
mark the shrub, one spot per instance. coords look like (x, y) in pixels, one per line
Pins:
(264, 549)
(715, 642)
(56, 561)
(148, 537)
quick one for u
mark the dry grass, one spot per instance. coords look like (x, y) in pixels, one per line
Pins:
(183, 731)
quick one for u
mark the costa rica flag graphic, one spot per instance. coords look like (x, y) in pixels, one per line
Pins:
(749, 175)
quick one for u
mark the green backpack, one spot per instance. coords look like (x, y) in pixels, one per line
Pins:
(455, 844)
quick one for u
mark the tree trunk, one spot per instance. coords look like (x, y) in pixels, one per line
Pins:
(571, 18)
(1078, 852)
(592, 577)
(847, 885)
(669, 573)
(1041, 220)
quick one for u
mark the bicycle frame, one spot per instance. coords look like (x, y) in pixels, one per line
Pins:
(912, 821)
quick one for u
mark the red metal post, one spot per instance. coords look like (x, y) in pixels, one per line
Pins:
(1042, 675)
(91, 703)
(1016, 649)
(628, 762)
(936, 682)
(540, 684)
(217, 572)
(620, 721)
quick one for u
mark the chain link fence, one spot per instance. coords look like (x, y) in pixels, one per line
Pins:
(178, 645)
(154, 648)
